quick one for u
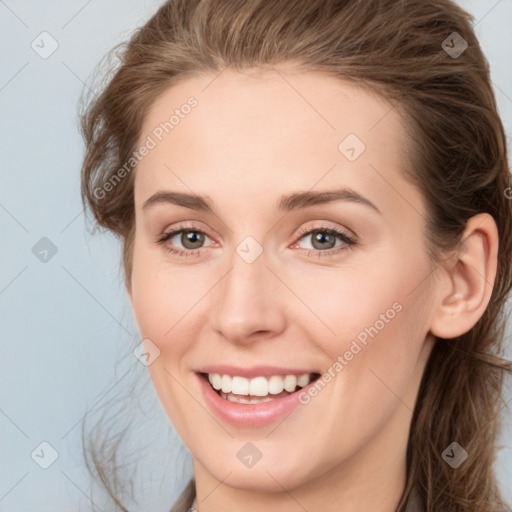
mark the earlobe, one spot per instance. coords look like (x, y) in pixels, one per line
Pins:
(468, 279)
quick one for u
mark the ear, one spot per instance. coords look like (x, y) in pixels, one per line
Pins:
(467, 279)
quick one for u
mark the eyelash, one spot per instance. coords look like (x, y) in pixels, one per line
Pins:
(348, 241)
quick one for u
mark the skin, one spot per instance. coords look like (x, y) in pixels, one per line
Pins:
(251, 139)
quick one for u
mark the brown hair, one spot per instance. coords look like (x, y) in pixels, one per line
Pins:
(459, 162)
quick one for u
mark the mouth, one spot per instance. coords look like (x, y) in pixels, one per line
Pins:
(259, 389)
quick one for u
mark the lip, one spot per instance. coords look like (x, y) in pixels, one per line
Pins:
(249, 415)
(254, 371)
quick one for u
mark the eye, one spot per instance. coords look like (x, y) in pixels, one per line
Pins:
(184, 240)
(191, 239)
(326, 240)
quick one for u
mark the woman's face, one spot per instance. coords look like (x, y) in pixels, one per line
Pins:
(303, 253)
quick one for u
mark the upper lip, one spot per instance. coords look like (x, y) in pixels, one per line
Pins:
(253, 371)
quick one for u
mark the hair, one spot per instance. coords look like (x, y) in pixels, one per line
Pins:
(458, 160)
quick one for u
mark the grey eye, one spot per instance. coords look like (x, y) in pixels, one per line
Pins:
(322, 240)
(191, 239)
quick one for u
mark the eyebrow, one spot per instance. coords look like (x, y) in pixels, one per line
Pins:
(300, 200)
(288, 203)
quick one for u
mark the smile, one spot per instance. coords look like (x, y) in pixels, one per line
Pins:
(259, 389)
(253, 400)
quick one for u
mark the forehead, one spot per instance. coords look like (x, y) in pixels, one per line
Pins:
(270, 130)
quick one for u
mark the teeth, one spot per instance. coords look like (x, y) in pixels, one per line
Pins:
(241, 386)
(258, 386)
(227, 383)
(215, 380)
(290, 382)
(245, 400)
(303, 380)
(275, 385)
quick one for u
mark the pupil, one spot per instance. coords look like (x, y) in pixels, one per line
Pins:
(191, 239)
(323, 238)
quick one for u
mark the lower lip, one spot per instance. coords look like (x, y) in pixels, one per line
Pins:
(249, 415)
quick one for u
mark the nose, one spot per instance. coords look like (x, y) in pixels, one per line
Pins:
(249, 302)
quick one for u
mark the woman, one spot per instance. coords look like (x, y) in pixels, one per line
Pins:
(317, 248)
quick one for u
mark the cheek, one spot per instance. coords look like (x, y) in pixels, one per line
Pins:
(164, 303)
(379, 330)
(375, 318)
(354, 305)
(161, 299)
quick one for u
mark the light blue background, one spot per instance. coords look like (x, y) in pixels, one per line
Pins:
(67, 328)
